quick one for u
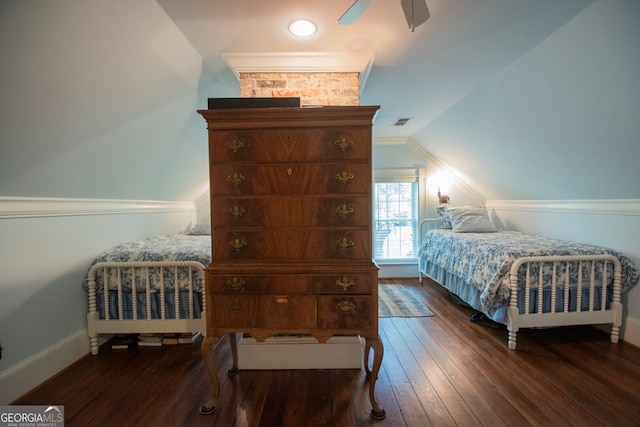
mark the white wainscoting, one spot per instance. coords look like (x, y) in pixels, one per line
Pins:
(62, 235)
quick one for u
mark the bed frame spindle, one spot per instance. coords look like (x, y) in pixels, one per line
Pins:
(147, 324)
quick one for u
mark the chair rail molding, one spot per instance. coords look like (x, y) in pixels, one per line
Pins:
(33, 207)
(594, 207)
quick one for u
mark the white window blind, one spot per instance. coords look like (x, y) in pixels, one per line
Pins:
(396, 213)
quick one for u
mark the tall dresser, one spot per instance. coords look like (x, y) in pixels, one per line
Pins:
(291, 220)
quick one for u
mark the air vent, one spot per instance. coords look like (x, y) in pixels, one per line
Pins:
(401, 121)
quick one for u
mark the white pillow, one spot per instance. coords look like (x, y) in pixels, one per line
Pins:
(471, 220)
(202, 227)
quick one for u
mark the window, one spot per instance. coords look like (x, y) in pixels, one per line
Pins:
(396, 215)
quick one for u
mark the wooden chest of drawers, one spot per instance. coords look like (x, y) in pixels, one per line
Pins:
(291, 207)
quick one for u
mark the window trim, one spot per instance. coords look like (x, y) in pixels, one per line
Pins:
(390, 175)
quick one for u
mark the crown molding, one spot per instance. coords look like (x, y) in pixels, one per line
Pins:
(300, 62)
(31, 207)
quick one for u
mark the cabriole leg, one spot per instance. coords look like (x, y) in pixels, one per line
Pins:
(206, 349)
(234, 353)
(378, 351)
(367, 350)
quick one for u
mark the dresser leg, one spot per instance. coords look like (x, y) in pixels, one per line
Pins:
(367, 350)
(378, 351)
(206, 349)
(234, 353)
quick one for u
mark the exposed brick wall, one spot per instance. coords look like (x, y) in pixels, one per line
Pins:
(312, 88)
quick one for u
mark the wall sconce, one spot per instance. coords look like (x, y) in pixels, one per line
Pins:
(438, 183)
(443, 199)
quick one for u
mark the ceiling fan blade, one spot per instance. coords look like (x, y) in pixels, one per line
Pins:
(354, 12)
(416, 12)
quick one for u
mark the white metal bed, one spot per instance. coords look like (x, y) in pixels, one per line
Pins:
(577, 289)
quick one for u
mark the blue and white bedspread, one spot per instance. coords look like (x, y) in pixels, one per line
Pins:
(178, 247)
(483, 260)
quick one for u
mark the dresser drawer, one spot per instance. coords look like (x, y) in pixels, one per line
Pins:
(264, 311)
(294, 211)
(291, 244)
(259, 284)
(290, 311)
(290, 178)
(344, 284)
(290, 145)
(346, 312)
(230, 311)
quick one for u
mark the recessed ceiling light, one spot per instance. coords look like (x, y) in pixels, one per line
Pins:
(302, 28)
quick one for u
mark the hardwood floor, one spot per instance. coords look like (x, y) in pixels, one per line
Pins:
(441, 371)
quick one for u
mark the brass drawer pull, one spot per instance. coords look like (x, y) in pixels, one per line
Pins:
(235, 179)
(346, 306)
(343, 143)
(344, 210)
(237, 244)
(236, 305)
(344, 177)
(344, 244)
(235, 284)
(236, 212)
(235, 144)
(345, 283)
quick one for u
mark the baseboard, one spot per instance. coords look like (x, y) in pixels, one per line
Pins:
(631, 332)
(300, 353)
(396, 271)
(22, 377)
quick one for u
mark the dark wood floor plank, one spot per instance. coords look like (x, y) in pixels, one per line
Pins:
(472, 409)
(341, 383)
(249, 409)
(413, 382)
(295, 411)
(274, 405)
(441, 370)
(319, 398)
(478, 391)
(390, 396)
(484, 348)
(580, 381)
(361, 404)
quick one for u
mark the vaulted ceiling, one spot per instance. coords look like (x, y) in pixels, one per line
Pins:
(521, 99)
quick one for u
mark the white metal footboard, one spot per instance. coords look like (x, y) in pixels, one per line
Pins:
(96, 326)
(597, 312)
